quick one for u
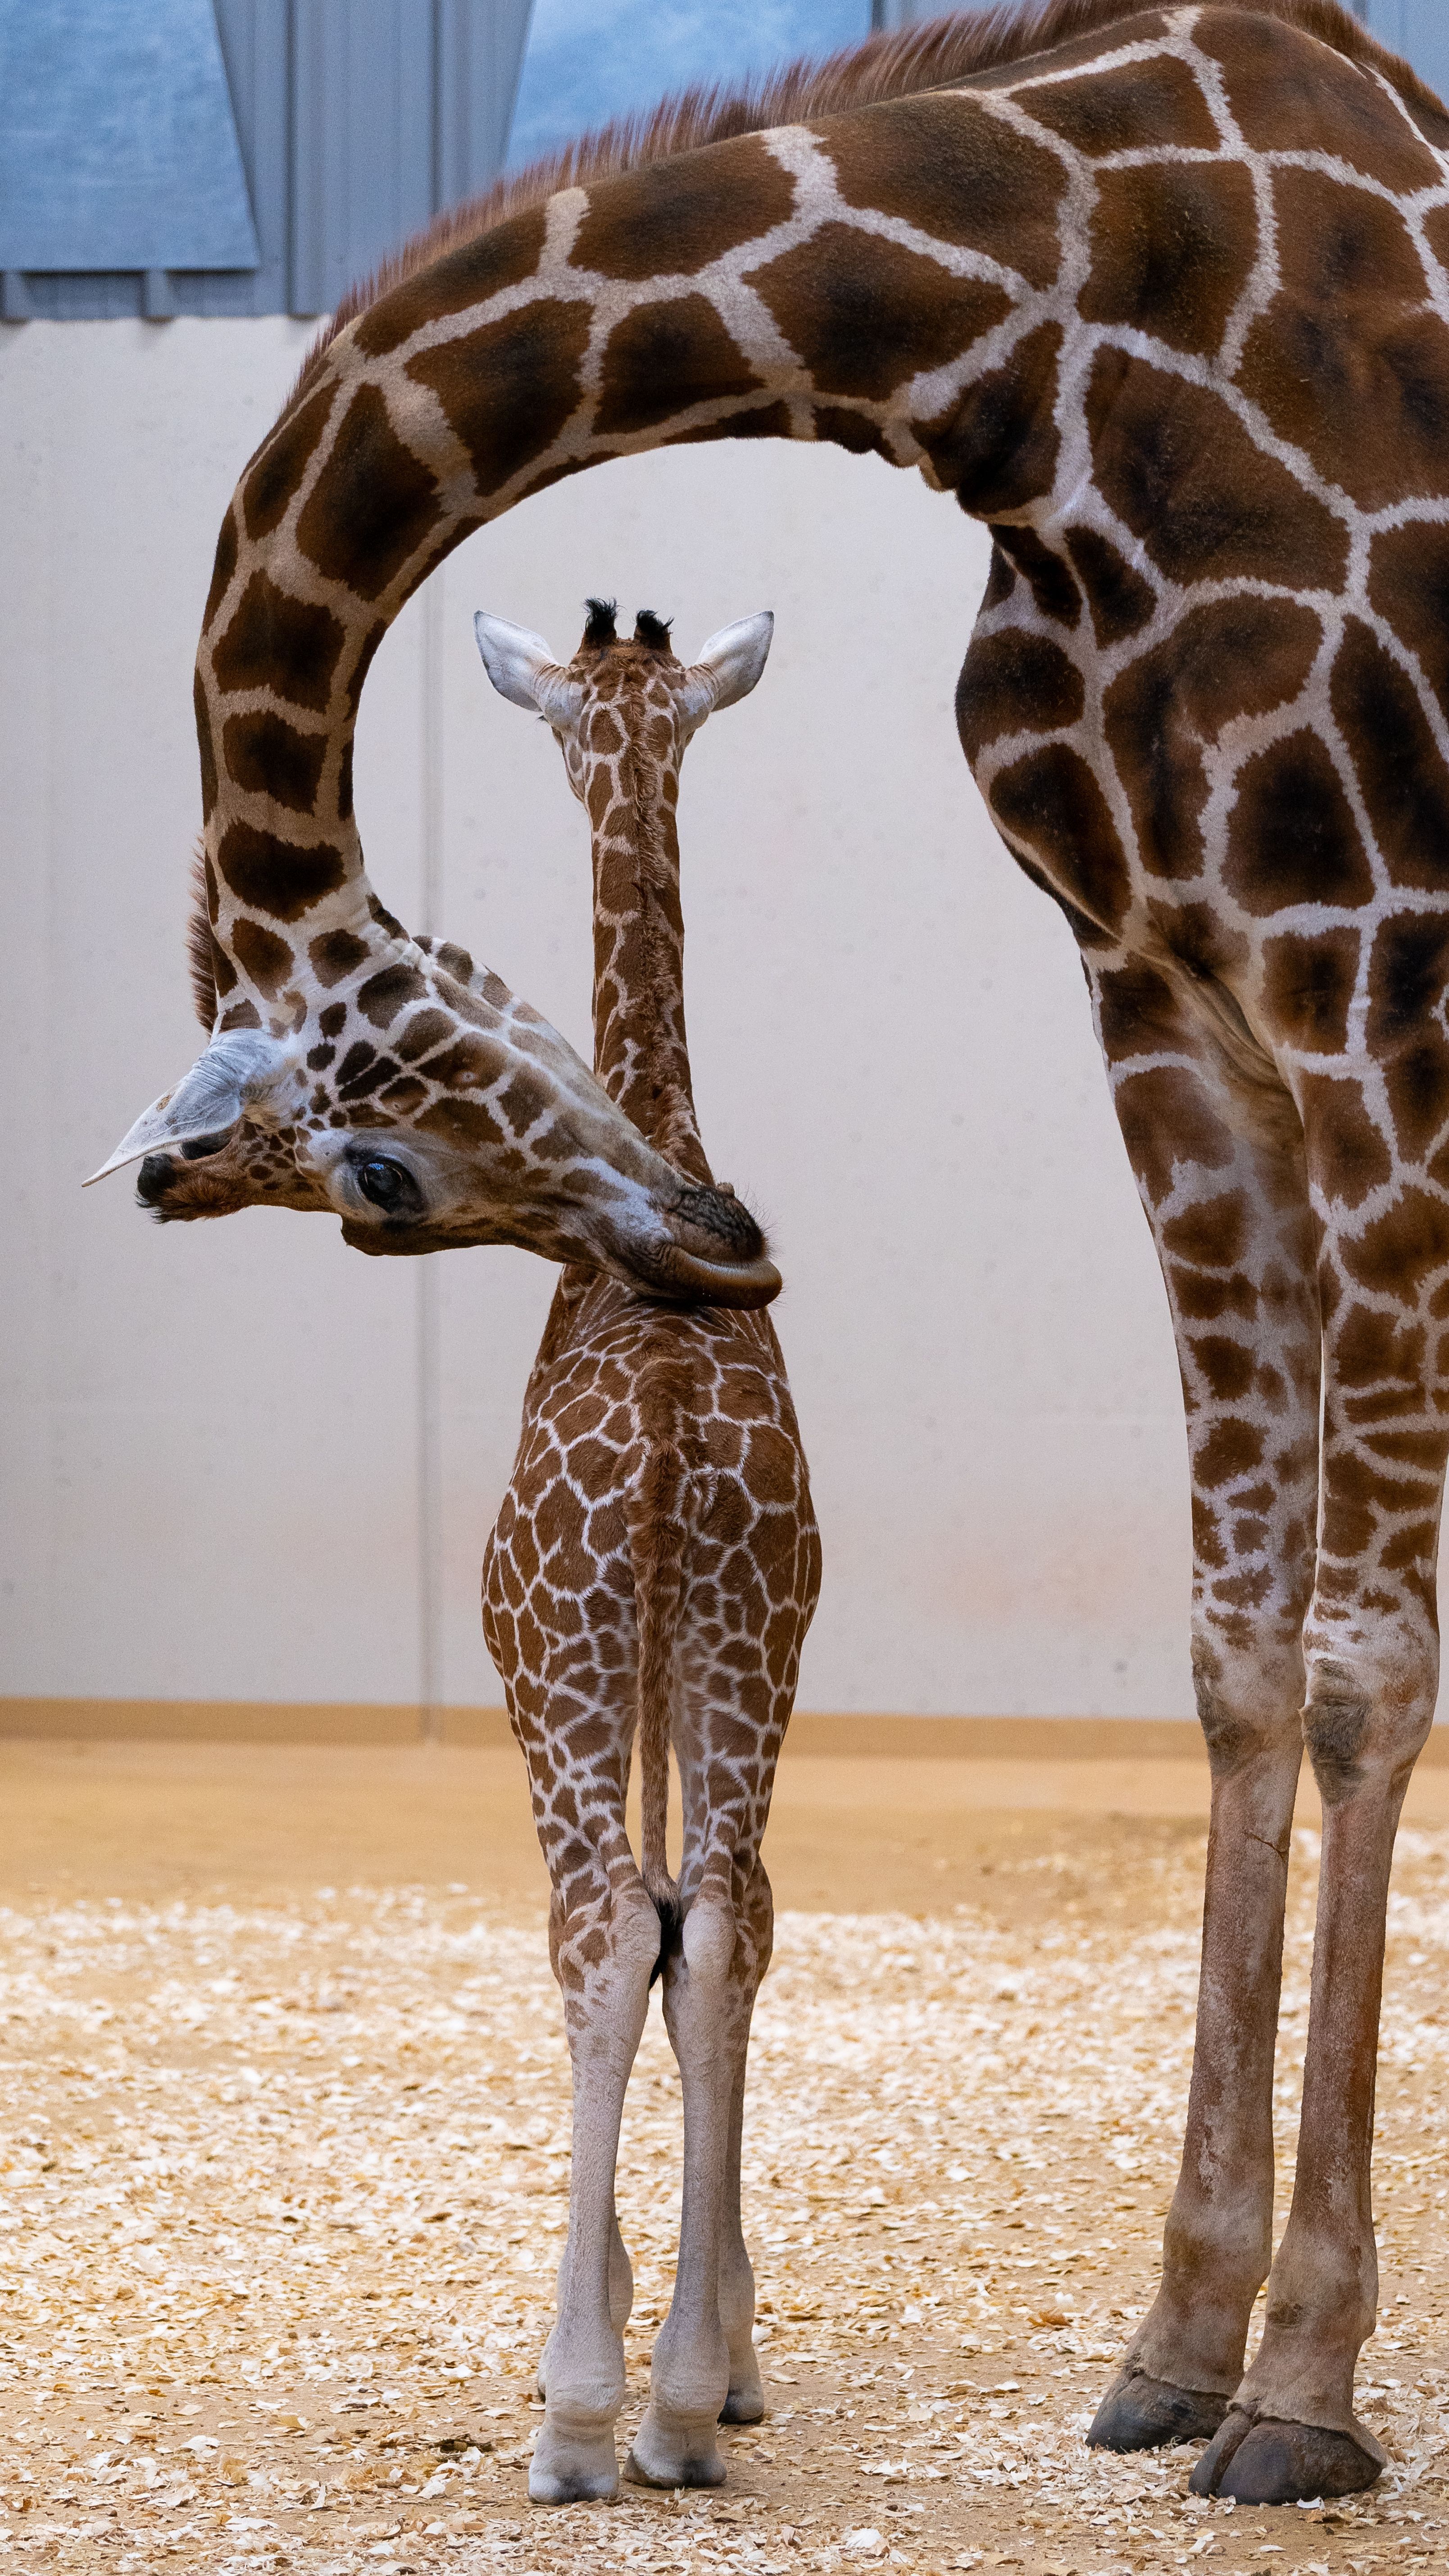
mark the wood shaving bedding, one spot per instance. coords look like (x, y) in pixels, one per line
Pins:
(283, 2186)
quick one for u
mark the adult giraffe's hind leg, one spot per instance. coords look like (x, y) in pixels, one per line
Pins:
(1217, 1149)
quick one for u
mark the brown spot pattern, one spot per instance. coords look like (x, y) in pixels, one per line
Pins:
(865, 315)
(290, 646)
(1400, 768)
(1292, 838)
(676, 218)
(509, 389)
(276, 876)
(1184, 476)
(373, 503)
(461, 279)
(1051, 800)
(1172, 250)
(997, 448)
(1235, 658)
(271, 486)
(663, 359)
(957, 172)
(1135, 106)
(271, 758)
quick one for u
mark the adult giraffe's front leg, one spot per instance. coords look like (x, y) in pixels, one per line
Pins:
(1217, 1148)
(1372, 1656)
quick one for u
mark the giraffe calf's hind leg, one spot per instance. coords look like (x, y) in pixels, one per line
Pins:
(582, 2371)
(689, 2375)
(745, 2401)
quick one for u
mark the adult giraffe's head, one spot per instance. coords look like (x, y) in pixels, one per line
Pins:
(387, 1079)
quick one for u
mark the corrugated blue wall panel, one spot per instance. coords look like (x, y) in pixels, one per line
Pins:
(357, 121)
(117, 140)
(256, 48)
(480, 57)
(362, 125)
(1418, 29)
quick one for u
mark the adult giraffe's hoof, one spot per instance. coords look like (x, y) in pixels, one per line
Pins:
(1273, 2462)
(1140, 2414)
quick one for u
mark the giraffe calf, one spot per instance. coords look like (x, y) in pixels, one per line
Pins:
(651, 1575)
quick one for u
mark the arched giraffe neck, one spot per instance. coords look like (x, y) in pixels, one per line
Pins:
(715, 296)
(641, 1053)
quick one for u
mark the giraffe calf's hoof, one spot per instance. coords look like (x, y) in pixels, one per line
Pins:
(583, 2481)
(569, 2468)
(656, 2462)
(1273, 2462)
(1140, 2414)
(744, 2406)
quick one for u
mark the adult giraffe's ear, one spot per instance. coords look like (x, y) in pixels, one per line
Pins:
(524, 668)
(235, 1072)
(728, 666)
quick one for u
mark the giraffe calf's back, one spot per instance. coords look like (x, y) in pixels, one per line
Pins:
(618, 1384)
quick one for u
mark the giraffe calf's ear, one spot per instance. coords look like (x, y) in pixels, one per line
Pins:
(233, 1074)
(525, 669)
(728, 666)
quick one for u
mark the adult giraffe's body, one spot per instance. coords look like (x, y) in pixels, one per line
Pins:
(1164, 299)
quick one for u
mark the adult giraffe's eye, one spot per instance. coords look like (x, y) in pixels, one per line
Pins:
(389, 1185)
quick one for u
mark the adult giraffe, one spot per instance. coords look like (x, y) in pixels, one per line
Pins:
(1163, 298)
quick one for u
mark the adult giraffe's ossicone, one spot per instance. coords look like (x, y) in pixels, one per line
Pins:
(1164, 299)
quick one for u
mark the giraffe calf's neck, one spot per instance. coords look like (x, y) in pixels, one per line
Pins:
(650, 1579)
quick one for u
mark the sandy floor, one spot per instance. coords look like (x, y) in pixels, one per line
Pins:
(283, 2173)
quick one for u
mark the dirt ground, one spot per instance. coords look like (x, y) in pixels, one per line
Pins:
(283, 2173)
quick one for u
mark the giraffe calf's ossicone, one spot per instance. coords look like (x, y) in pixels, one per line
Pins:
(650, 1577)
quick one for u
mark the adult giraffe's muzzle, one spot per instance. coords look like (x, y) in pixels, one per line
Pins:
(697, 1247)
(715, 1253)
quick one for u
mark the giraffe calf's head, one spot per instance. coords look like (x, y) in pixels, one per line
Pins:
(576, 699)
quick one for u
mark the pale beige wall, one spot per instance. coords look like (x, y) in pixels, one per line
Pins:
(214, 1439)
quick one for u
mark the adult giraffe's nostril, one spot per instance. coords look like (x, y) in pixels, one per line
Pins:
(154, 1179)
(723, 1224)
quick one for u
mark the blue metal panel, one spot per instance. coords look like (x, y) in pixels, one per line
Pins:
(355, 122)
(1418, 29)
(362, 125)
(255, 44)
(479, 58)
(117, 145)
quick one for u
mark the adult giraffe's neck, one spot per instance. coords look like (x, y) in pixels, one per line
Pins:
(743, 290)
(641, 1053)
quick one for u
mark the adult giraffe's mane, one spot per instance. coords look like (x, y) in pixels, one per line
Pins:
(929, 56)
